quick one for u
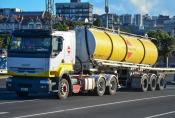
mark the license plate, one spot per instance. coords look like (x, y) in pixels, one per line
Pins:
(24, 89)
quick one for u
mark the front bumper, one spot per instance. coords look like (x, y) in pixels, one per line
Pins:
(29, 84)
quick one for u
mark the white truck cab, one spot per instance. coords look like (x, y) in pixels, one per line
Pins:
(35, 57)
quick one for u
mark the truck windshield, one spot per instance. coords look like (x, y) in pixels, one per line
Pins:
(30, 44)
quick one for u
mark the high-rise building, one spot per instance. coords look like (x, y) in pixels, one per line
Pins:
(149, 22)
(113, 21)
(169, 27)
(161, 19)
(138, 21)
(75, 10)
(126, 19)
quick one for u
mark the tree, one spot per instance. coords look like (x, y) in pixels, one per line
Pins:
(4, 40)
(165, 43)
(66, 25)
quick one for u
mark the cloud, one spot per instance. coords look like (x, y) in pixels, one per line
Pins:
(99, 11)
(144, 6)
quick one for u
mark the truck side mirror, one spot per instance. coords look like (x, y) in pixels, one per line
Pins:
(60, 44)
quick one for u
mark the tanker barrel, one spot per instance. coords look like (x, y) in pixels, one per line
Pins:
(107, 45)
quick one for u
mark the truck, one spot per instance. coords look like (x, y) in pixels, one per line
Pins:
(85, 60)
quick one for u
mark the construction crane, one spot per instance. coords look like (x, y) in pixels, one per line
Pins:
(49, 12)
(50, 6)
(107, 11)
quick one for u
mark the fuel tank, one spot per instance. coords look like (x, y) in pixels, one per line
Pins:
(99, 44)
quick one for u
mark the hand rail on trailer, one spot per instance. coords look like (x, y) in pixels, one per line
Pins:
(132, 65)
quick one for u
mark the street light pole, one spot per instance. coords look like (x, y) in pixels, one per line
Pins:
(107, 11)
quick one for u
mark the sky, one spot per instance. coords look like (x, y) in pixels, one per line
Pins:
(152, 7)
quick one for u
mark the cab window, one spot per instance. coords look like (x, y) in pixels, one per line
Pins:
(57, 45)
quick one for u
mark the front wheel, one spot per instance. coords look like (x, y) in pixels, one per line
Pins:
(63, 89)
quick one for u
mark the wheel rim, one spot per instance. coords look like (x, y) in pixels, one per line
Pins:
(64, 89)
(101, 86)
(145, 83)
(153, 83)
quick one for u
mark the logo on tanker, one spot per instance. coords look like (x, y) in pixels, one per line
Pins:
(129, 53)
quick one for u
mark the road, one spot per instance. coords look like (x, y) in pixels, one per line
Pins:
(126, 104)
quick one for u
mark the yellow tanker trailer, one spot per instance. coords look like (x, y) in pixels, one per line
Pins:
(126, 57)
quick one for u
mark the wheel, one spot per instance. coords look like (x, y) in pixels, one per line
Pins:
(161, 83)
(144, 83)
(113, 86)
(153, 80)
(101, 87)
(63, 89)
(22, 94)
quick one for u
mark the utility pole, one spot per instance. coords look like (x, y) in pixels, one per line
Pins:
(107, 11)
(50, 11)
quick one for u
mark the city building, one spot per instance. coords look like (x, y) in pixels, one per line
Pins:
(126, 19)
(9, 11)
(161, 19)
(75, 10)
(22, 20)
(30, 14)
(169, 26)
(113, 21)
(138, 21)
(148, 22)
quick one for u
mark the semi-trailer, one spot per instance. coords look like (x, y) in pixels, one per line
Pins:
(94, 60)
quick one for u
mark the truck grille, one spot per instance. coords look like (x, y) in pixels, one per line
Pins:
(26, 70)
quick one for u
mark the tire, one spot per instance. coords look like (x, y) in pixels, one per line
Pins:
(144, 83)
(161, 83)
(112, 88)
(22, 94)
(153, 82)
(63, 89)
(101, 87)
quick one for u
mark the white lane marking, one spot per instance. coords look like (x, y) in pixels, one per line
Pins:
(3, 113)
(1, 103)
(93, 106)
(162, 114)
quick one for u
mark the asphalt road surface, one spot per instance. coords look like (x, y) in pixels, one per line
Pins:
(126, 104)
